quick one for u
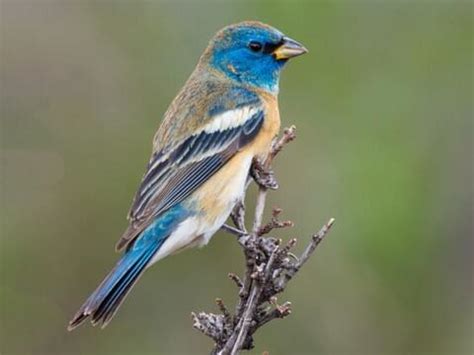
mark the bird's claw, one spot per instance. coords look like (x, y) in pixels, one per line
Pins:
(233, 230)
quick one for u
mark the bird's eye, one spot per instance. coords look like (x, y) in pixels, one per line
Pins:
(255, 46)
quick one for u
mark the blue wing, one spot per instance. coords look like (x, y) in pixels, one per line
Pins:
(173, 173)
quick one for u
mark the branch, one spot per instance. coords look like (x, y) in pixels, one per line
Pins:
(269, 267)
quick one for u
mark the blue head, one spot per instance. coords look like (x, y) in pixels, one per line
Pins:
(252, 53)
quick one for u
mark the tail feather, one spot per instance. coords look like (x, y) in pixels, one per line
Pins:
(114, 299)
(103, 303)
(106, 299)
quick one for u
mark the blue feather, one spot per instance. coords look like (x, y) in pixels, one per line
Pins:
(105, 300)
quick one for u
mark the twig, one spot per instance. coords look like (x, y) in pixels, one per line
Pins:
(289, 134)
(238, 216)
(269, 268)
(236, 279)
(316, 239)
(274, 223)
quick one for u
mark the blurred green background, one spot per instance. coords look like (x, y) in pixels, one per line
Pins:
(383, 107)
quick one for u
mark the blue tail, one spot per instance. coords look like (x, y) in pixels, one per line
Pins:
(103, 303)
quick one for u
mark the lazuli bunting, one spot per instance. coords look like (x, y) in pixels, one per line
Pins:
(225, 116)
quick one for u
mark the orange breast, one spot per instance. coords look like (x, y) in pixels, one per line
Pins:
(271, 126)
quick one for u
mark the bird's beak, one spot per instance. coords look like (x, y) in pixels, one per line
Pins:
(289, 48)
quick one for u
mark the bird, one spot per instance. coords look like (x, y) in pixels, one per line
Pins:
(224, 118)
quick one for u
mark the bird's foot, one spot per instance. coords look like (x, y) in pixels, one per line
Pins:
(263, 176)
(232, 230)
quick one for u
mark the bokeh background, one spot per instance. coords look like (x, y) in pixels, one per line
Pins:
(383, 106)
